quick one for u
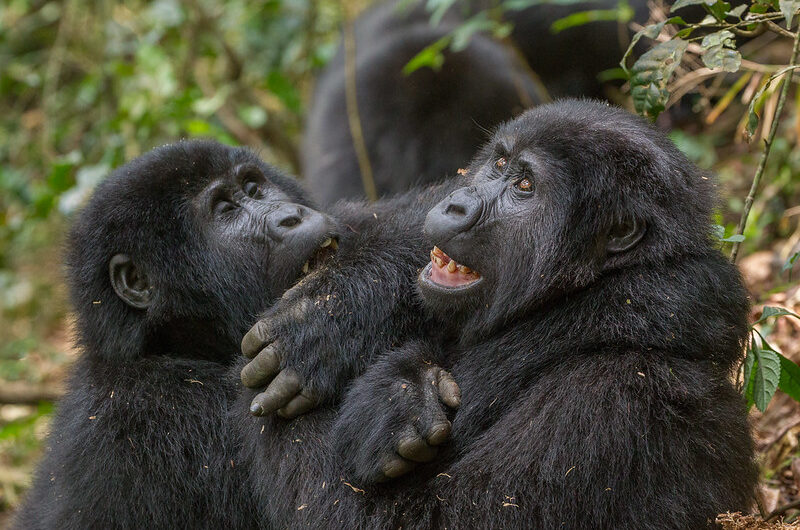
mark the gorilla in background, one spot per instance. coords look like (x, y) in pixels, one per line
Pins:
(168, 266)
(593, 327)
(417, 128)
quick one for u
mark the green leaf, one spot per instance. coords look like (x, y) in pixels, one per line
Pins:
(720, 10)
(719, 52)
(752, 117)
(790, 378)
(464, 32)
(651, 32)
(749, 365)
(719, 231)
(584, 17)
(724, 38)
(790, 262)
(684, 3)
(612, 74)
(724, 58)
(788, 8)
(651, 74)
(737, 11)
(736, 238)
(770, 312)
(767, 377)
(438, 8)
(430, 56)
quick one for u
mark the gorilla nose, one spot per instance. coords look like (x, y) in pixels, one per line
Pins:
(456, 214)
(287, 218)
(290, 220)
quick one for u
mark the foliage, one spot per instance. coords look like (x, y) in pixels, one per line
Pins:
(766, 370)
(86, 85)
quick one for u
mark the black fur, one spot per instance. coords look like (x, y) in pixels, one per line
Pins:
(140, 440)
(145, 434)
(418, 128)
(596, 383)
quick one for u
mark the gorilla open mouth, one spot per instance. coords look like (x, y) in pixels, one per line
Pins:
(322, 254)
(444, 271)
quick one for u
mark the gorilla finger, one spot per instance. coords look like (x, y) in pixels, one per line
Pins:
(300, 404)
(255, 339)
(262, 368)
(397, 467)
(438, 433)
(280, 391)
(449, 391)
(414, 448)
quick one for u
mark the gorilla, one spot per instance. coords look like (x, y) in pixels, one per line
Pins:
(417, 128)
(593, 327)
(168, 266)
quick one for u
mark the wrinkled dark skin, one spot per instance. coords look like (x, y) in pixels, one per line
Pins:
(594, 355)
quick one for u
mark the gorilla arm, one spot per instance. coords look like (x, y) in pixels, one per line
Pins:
(327, 329)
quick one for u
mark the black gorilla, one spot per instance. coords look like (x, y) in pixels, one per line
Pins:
(168, 266)
(417, 128)
(593, 328)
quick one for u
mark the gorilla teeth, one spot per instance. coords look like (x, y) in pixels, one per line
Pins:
(446, 263)
(328, 243)
(306, 266)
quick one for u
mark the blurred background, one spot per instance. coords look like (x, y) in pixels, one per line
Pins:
(86, 85)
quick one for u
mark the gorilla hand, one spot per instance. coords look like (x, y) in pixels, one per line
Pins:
(395, 417)
(267, 344)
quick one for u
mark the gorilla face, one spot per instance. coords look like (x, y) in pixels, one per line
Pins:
(186, 245)
(560, 196)
(243, 213)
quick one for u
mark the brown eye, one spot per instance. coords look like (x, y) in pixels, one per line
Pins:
(501, 163)
(525, 184)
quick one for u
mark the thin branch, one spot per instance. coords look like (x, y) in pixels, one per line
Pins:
(773, 27)
(351, 104)
(27, 394)
(748, 202)
(780, 510)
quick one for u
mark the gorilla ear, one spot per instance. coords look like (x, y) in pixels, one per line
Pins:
(129, 282)
(625, 235)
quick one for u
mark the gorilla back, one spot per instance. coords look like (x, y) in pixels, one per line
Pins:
(168, 265)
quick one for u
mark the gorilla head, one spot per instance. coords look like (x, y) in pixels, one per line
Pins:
(179, 249)
(560, 196)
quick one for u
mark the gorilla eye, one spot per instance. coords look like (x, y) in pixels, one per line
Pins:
(222, 206)
(251, 189)
(501, 163)
(524, 184)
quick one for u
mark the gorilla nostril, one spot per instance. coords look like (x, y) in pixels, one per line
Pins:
(456, 209)
(290, 222)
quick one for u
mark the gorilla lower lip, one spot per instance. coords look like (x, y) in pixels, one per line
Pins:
(447, 272)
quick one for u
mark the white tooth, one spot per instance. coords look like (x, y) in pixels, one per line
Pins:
(326, 243)
(305, 267)
(334, 244)
(451, 267)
